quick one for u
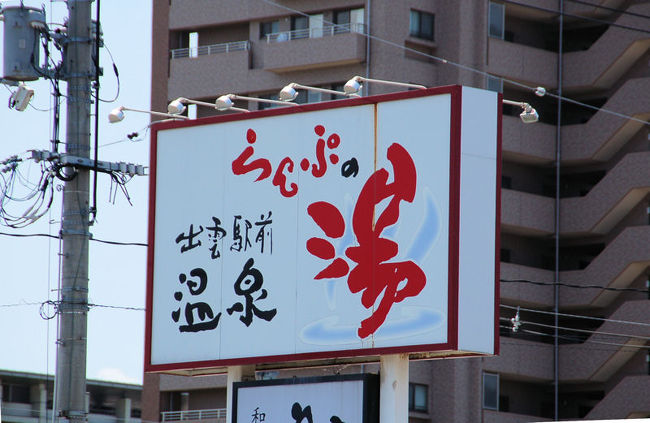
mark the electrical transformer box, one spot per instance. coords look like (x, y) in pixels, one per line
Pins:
(22, 26)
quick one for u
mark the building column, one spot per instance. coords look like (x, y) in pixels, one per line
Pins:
(185, 401)
(38, 399)
(123, 410)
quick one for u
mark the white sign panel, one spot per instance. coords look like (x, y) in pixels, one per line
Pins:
(336, 399)
(347, 228)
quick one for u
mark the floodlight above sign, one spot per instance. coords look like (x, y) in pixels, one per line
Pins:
(337, 230)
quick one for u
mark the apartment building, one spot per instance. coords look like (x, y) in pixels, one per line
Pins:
(580, 215)
(28, 398)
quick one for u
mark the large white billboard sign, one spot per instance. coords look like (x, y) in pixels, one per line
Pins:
(349, 228)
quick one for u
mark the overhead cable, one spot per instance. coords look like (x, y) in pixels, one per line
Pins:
(591, 332)
(569, 285)
(531, 332)
(577, 316)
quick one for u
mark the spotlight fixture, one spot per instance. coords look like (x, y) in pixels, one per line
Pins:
(177, 106)
(529, 115)
(117, 114)
(289, 93)
(354, 85)
(227, 101)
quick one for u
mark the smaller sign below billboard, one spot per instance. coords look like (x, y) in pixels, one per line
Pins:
(341, 398)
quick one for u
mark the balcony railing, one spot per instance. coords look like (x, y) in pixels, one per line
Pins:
(175, 416)
(318, 32)
(211, 49)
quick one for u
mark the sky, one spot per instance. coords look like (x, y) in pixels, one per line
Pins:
(29, 266)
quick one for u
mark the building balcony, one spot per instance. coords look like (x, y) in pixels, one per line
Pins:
(527, 214)
(514, 360)
(13, 412)
(214, 415)
(180, 53)
(490, 416)
(526, 294)
(611, 56)
(623, 260)
(591, 362)
(529, 65)
(597, 140)
(314, 48)
(194, 72)
(185, 14)
(610, 199)
(604, 134)
(628, 399)
(531, 144)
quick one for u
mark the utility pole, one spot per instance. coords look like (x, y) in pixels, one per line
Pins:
(73, 306)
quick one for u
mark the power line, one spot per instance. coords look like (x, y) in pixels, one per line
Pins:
(469, 68)
(137, 244)
(133, 136)
(117, 307)
(56, 304)
(536, 345)
(576, 340)
(569, 285)
(591, 332)
(569, 338)
(577, 316)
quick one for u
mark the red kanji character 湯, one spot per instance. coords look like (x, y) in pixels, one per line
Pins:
(373, 274)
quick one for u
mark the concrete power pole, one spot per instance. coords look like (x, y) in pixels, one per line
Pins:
(73, 307)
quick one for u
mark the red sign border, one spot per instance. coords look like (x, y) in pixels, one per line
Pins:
(454, 209)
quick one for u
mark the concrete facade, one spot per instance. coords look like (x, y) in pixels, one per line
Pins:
(603, 195)
(28, 398)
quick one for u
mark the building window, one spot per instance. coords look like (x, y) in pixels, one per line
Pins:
(307, 26)
(305, 97)
(421, 25)
(496, 26)
(299, 27)
(349, 20)
(418, 397)
(342, 17)
(270, 96)
(491, 391)
(494, 83)
(504, 253)
(340, 88)
(269, 27)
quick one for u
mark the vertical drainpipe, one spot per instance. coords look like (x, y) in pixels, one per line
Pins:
(558, 145)
(366, 88)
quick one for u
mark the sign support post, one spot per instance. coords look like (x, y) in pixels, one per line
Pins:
(394, 388)
(236, 374)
